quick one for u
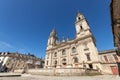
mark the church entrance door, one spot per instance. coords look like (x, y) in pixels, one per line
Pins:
(64, 65)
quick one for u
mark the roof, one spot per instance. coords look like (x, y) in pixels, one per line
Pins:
(107, 51)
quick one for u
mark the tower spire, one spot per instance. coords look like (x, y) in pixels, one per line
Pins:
(53, 33)
(53, 39)
(81, 24)
(79, 16)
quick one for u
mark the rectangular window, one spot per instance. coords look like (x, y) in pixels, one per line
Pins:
(106, 59)
(88, 57)
(90, 66)
(81, 27)
(115, 57)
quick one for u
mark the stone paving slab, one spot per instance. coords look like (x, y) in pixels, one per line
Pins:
(38, 77)
(9, 74)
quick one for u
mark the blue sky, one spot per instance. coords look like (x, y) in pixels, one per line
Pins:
(25, 25)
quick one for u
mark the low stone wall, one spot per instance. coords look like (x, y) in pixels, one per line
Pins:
(59, 72)
(55, 72)
(19, 71)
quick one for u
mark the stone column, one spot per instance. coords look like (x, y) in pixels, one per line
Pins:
(58, 59)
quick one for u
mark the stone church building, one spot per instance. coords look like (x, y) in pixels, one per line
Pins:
(81, 52)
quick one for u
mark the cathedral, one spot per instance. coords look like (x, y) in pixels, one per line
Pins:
(81, 52)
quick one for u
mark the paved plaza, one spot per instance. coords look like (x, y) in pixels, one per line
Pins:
(38, 77)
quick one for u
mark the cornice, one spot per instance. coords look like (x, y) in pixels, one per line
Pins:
(69, 42)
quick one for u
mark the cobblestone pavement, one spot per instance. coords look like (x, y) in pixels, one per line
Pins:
(37, 77)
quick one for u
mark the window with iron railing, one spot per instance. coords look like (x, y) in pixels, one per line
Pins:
(115, 57)
(73, 50)
(88, 56)
(75, 59)
(106, 59)
(63, 52)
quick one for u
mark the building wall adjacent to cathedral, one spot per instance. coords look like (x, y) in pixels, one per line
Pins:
(81, 52)
(10, 61)
(110, 62)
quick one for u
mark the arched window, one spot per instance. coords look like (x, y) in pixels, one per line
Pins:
(73, 50)
(63, 52)
(55, 62)
(55, 54)
(64, 61)
(79, 18)
(75, 60)
(81, 27)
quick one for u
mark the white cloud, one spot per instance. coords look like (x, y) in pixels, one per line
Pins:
(5, 45)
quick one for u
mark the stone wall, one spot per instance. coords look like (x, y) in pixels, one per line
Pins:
(55, 72)
(109, 59)
(19, 71)
(60, 72)
(107, 68)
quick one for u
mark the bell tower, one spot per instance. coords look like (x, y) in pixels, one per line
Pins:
(53, 39)
(81, 25)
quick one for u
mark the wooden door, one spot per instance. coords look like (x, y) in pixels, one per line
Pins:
(76, 65)
(114, 70)
(64, 65)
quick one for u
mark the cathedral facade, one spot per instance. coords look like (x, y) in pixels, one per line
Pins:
(81, 52)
